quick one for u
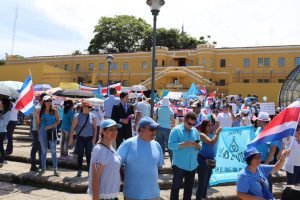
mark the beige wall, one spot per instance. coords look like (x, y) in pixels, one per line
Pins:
(270, 90)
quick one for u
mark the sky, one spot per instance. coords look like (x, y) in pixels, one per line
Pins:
(58, 27)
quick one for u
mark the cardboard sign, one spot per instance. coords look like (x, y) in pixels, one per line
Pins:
(268, 107)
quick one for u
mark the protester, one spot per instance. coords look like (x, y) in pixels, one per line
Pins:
(179, 116)
(66, 128)
(206, 157)
(11, 127)
(104, 182)
(142, 156)
(237, 120)
(245, 120)
(292, 163)
(252, 180)
(99, 117)
(142, 110)
(164, 116)
(85, 125)
(225, 118)
(109, 102)
(200, 115)
(4, 120)
(47, 119)
(123, 113)
(184, 142)
(267, 150)
(36, 147)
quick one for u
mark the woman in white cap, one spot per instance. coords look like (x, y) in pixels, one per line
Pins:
(104, 179)
(47, 120)
(252, 181)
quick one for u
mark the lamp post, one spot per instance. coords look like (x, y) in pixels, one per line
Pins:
(155, 6)
(109, 59)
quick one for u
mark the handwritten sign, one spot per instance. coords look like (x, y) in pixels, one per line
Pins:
(230, 154)
(268, 107)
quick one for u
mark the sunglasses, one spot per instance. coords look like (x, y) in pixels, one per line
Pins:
(190, 124)
(48, 101)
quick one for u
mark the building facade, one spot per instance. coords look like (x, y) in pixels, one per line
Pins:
(239, 70)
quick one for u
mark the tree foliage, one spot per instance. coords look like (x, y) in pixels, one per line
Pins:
(2, 62)
(76, 52)
(125, 33)
(122, 33)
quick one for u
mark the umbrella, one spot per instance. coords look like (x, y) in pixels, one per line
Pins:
(74, 93)
(53, 90)
(8, 92)
(17, 85)
(138, 88)
(42, 87)
(95, 101)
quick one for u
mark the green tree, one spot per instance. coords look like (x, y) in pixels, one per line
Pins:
(121, 33)
(2, 62)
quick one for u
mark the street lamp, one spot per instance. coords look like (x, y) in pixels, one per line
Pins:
(155, 6)
(109, 59)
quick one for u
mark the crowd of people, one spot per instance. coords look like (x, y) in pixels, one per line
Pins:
(122, 143)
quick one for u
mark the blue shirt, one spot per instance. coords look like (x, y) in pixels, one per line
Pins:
(249, 182)
(60, 113)
(141, 160)
(4, 119)
(109, 103)
(67, 121)
(164, 115)
(88, 130)
(208, 150)
(185, 158)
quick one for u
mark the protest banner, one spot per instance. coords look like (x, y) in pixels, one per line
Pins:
(268, 108)
(231, 145)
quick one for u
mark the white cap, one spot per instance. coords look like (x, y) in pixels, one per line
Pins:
(263, 116)
(45, 98)
(165, 102)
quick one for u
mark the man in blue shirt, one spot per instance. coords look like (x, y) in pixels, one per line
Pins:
(184, 142)
(142, 156)
(109, 103)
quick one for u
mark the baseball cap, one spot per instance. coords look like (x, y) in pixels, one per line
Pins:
(147, 121)
(109, 123)
(47, 97)
(263, 116)
(250, 151)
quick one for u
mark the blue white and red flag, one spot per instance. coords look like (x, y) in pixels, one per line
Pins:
(283, 125)
(25, 103)
(203, 91)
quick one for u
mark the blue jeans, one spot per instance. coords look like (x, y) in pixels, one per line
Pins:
(64, 143)
(204, 174)
(44, 147)
(84, 145)
(35, 148)
(162, 137)
(178, 176)
(293, 179)
(10, 130)
(2, 136)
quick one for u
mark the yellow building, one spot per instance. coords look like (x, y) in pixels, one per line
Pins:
(239, 70)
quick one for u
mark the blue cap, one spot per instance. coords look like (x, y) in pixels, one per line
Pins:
(147, 121)
(250, 151)
(109, 123)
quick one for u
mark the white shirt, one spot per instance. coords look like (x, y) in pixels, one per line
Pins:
(224, 119)
(13, 113)
(245, 121)
(234, 108)
(144, 108)
(98, 116)
(293, 159)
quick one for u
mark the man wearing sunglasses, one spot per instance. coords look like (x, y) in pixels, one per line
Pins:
(184, 142)
(142, 156)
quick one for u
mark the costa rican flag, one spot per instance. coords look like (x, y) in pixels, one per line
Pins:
(117, 86)
(203, 91)
(25, 103)
(84, 87)
(283, 125)
(212, 95)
